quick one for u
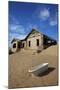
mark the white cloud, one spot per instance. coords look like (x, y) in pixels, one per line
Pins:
(16, 28)
(44, 14)
(13, 27)
(53, 20)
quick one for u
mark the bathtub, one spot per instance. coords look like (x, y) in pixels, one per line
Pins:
(39, 69)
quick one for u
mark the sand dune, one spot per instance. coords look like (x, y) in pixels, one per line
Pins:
(22, 61)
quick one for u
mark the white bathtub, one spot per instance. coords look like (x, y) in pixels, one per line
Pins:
(39, 69)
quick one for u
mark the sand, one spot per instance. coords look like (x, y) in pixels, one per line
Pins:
(20, 62)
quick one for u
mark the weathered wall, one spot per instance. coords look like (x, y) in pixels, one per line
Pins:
(33, 38)
(15, 49)
(24, 44)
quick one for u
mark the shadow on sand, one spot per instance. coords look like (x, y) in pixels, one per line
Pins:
(50, 69)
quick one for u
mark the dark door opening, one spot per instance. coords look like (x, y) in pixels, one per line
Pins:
(37, 42)
(29, 43)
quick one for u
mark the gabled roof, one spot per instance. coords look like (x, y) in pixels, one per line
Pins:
(14, 39)
(32, 31)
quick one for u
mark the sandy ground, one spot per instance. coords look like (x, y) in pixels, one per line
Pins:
(22, 61)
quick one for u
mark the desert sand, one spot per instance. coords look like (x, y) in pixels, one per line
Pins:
(20, 62)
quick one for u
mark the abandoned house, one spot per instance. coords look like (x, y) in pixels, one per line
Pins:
(34, 40)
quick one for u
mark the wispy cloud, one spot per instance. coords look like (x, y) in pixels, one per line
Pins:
(16, 30)
(54, 20)
(44, 14)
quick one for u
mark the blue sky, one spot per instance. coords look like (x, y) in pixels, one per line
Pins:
(25, 16)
